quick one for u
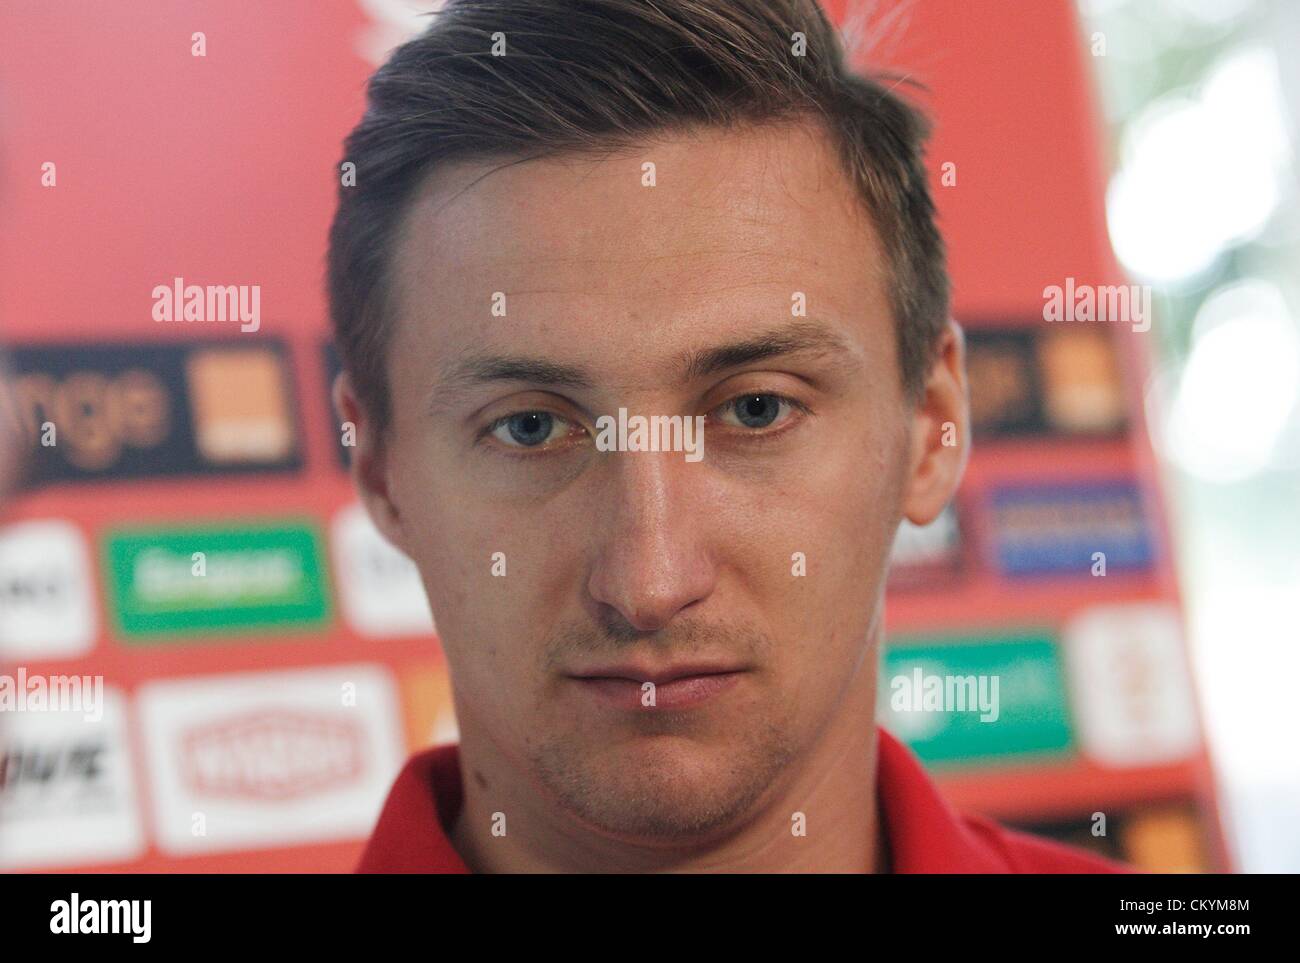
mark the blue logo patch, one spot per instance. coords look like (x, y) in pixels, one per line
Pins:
(1059, 529)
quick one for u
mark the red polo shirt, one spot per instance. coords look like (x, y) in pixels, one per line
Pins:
(926, 835)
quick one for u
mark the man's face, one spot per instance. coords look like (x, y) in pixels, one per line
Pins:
(564, 578)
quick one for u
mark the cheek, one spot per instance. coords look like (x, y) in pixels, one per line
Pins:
(839, 507)
(445, 544)
(841, 514)
(485, 572)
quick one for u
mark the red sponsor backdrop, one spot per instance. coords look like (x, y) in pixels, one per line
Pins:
(221, 169)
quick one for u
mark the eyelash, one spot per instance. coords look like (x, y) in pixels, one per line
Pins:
(519, 451)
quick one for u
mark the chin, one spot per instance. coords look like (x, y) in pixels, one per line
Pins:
(663, 788)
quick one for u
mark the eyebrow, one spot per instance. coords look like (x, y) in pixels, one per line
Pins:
(801, 337)
(469, 373)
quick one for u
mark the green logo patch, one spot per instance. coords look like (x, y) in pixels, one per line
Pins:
(215, 580)
(976, 700)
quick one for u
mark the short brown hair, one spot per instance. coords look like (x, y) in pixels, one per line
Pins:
(588, 75)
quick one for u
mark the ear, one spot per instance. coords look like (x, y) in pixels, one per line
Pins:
(940, 434)
(368, 462)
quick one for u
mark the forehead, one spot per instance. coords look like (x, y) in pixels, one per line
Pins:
(673, 242)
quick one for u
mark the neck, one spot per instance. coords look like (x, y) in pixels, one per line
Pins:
(833, 785)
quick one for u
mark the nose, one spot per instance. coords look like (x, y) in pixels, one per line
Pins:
(652, 560)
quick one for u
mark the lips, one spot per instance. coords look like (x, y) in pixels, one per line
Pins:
(676, 687)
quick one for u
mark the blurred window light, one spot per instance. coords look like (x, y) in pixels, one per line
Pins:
(1200, 173)
(1238, 389)
(1215, 13)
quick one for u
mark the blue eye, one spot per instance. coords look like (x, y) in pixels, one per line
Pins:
(526, 429)
(756, 411)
